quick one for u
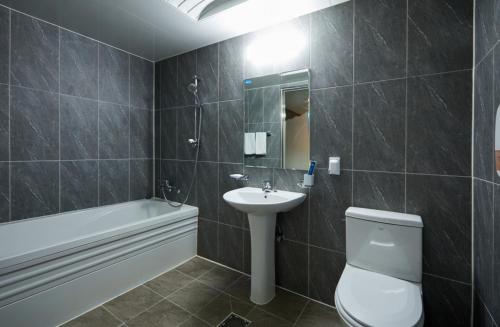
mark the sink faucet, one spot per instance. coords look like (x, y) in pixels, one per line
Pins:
(266, 186)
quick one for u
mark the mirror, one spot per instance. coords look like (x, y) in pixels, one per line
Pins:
(497, 141)
(277, 121)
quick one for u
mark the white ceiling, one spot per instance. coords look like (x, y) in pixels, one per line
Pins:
(154, 29)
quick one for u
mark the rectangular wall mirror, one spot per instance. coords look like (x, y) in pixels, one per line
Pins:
(277, 119)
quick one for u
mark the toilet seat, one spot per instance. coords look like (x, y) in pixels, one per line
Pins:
(365, 298)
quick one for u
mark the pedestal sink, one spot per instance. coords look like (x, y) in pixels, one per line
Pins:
(262, 208)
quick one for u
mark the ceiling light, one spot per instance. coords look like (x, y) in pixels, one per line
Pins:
(201, 9)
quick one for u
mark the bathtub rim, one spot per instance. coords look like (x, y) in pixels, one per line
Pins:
(38, 255)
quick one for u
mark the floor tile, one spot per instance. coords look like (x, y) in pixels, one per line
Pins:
(260, 318)
(196, 267)
(221, 307)
(130, 304)
(194, 296)
(318, 315)
(220, 277)
(194, 322)
(169, 282)
(240, 289)
(286, 305)
(164, 314)
(98, 317)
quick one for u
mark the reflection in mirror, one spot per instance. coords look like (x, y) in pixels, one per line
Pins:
(497, 141)
(277, 121)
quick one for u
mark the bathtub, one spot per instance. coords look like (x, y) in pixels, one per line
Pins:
(57, 267)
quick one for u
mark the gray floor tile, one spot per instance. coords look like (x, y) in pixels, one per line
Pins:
(194, 296)
(240, 289)
(221, 307)
(98, 317)
(260, 318)
(220, 277)
(196, 267)
(318, 315)
(286, 305)
(169, 282)
(164, 314)
(194, 322)
(130, 304)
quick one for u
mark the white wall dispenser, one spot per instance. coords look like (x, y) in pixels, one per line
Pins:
(334, 166)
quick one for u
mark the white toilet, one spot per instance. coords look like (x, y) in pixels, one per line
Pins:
(381, 282)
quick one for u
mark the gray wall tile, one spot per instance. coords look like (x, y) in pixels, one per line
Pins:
(113, 181)
(227, 214)
(79, 185)
(231, 115)
(331, 125)
(446, 302)
(141, 179)
(495, 308)
(484, 118)
(439, 120)
(4, 123)
(208, 190)
(291, 266)
(4, 192)
(209, 146)
(113, 75)
(79, 70)
(231, 65)
(168, 134)
(185, 73)
(78, 128)
(330, 197)
(4, 44)
(483, 242)
(207, 239)
(35, 189)
(380, 44)
(141, 83)
(379, 120)
(113, 131)
(439, 36)
(486, 29)
(325, 269)
(207, 61)
(331, 46)
(34, 53)
(185, 131)
(444, 203)
(34, 121)
(381, 191)
(230, 244)
(141, 133)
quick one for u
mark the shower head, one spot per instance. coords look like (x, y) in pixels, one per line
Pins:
(193, 87)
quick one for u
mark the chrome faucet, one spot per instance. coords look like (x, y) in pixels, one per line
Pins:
(267, 186)
(166, 186)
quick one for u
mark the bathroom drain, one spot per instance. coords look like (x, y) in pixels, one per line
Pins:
(233, 320)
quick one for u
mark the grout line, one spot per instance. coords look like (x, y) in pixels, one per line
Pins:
(98, 125)
(301, 313)
(108, 311)
(406, 107)
(129, 129)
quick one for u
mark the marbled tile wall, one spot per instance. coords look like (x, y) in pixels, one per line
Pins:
(76, 121)
(391, 95)
(486, 192)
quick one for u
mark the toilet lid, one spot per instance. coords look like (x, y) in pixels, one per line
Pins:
(374, 299)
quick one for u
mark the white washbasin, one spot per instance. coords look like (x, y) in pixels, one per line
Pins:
(254, 200)
(262, 208)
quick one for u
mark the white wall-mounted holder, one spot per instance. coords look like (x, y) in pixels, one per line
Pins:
(334, 166)
(307, 182)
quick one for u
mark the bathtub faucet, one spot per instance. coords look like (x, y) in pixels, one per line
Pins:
(166, 186)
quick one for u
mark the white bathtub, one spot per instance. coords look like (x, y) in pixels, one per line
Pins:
(56, 267)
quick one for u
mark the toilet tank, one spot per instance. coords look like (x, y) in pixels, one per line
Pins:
(386, 242)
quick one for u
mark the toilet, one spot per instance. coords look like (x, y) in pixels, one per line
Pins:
(381, 282)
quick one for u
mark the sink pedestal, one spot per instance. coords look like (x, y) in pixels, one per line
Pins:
(262, 234)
